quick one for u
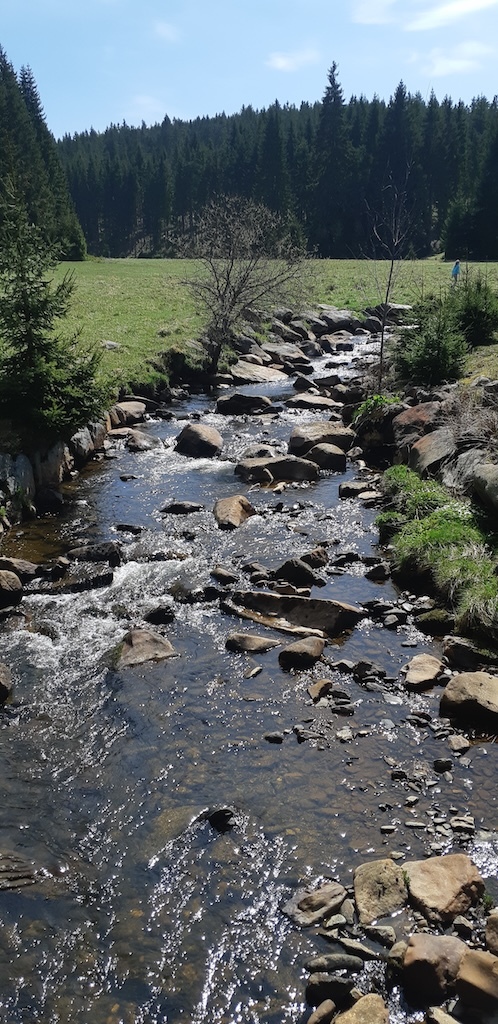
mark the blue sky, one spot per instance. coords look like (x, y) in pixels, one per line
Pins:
(98, 62)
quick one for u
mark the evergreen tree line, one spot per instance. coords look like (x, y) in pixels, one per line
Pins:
(30, 163)
(324, 166)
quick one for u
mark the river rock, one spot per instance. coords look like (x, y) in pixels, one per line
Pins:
(435, 1015)
(109, 551)
(472, 695)
(379, 889)
(5, 683)
(411, 424)
(16, 872)
(370, 1009)
(322, 986)
(484, 483)
(25, 570)
(140, 646)
(324, 1013)
(250, 373)
(182, 508)
(281, 611)
(477, 980)
(335, 962)
(430, 967)
(422, 672)
(250, 644)
(298, 572)
(278, 468)
(307, 435)
(328, 457)
(11, 589)
(123, 414)
(442, 887)
(308, 908)
(230, 513)
(199, 441)
(137, 441)
(492, 932)
(302, 654)
(307, 400)
(431, 451)
(461, 654)
(243, 405)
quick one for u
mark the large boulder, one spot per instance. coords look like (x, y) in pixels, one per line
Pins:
(5, 683)
(275, 469)
(328, 457)
(379, 888)
(484, 483)
(411, 424)
(313, 615)
(199, 441)
(370, 1009)
(242, 404)
(472, 695)
(430, 967)
(307, 435)
(442, 887)
(10, 588)
(25, 570)
(432, 451)
(477, 980)
(243, 372)
(125, 414)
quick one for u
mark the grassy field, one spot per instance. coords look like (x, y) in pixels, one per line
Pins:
(144, 306)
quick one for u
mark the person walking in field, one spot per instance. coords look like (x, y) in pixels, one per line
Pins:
(455, 272)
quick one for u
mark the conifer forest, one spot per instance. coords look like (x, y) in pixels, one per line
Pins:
(326, 168)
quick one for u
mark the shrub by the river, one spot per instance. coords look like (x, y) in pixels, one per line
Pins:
(475, 307)
(435, 352)
(442, 540)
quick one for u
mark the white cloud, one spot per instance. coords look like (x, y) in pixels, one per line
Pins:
(292, 61)
(373, 12)
(165, 30)
(145, 108)
(446, 13)
(465, 57)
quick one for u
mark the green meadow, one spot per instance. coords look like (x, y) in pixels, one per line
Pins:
(145, 307)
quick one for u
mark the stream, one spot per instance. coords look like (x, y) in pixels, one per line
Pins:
(147, 909)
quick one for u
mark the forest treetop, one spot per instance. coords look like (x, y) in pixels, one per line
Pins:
(323, 166)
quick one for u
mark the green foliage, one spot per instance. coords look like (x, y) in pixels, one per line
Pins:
(444, 539)
(475, 308)
(47, 381)
(374, 404)
(435, 353)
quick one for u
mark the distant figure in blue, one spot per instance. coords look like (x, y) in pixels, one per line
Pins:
(455, 272)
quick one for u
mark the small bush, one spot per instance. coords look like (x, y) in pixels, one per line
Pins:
(435, 353)
(476, 310)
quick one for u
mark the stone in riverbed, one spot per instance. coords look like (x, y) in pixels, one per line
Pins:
(316, 614)
(242, 404)
(230, 513)
(422, 672)
(370, 1009)
(199, 441)
(298, 572)
(307, 435)
(20, 567)
(328, 457)
(443, 887)
(11, 589)
(5, 683)
(307, 908)
(278, 468)
(430, 967)
(140, 646)
(477, 980)
(247, 643)
(380, 889)
(324, 1013)
(302, 654)
(472, 695)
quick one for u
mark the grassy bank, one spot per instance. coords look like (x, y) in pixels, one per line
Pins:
(143, 306)
(445, 543)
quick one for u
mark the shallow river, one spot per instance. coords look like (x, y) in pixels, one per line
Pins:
(146, 912)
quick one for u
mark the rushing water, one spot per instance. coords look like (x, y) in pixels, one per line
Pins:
(147, 909)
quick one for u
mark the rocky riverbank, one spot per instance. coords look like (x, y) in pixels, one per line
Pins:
(428, 929)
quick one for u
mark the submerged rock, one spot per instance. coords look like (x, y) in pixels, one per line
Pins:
(230, 513)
